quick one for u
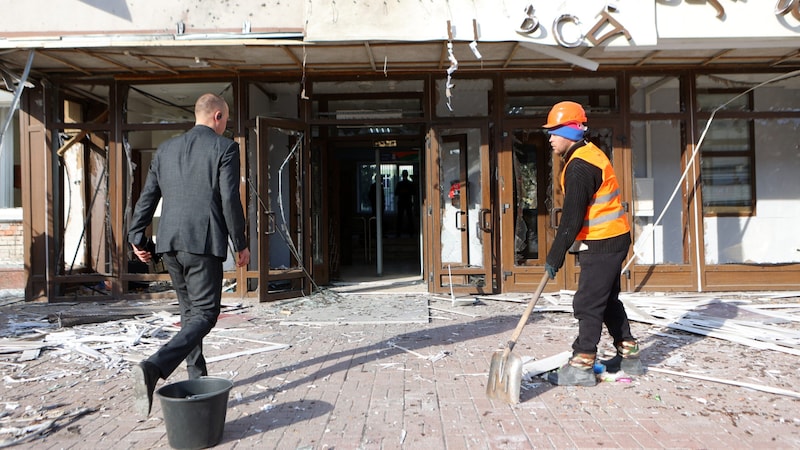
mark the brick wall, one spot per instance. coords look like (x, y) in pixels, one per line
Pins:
(12, 255)
(11, 250)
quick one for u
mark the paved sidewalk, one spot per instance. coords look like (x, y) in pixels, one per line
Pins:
(407, 386)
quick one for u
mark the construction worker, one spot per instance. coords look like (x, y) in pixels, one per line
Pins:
(593, 225)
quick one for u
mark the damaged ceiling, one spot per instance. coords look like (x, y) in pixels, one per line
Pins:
(293, 57)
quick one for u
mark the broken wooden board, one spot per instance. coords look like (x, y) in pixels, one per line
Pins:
(452, 311)
(539, 366)
(456, 301)
(20, 345)
(757, 387)
(269, 348)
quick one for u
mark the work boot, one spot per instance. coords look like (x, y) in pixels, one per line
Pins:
(629, 352)
(577, 372)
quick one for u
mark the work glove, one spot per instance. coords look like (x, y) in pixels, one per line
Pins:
(551, 271)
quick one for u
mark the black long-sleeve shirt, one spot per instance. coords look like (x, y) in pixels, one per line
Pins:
(581, 181)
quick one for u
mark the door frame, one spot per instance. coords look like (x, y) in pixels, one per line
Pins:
(516, 278)
(440, 278)
(323, 239)
(297, 276)
(513, 277)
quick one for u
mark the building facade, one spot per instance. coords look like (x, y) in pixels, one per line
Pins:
(697, 105)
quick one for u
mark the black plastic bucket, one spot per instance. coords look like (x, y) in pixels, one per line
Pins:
(194, 411)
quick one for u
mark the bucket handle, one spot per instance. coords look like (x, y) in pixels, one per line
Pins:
(201, 396)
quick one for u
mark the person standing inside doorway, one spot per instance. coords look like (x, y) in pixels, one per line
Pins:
(197, 176)
(594, 225)
(404, 191)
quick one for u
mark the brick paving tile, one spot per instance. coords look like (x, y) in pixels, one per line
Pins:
(561, 441)
(353, 387)
(622, 440)
(645, 440)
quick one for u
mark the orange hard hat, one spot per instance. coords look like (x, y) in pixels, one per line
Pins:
(564, 113)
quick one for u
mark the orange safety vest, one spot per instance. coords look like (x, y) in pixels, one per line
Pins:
(605, 217)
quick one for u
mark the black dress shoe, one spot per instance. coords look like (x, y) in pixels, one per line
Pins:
(145, 377)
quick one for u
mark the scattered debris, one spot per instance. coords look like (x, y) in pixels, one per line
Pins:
(111, 340)
(729, 317)
(514, 297)
(269, 348)
(456, 301)
(757, 387)
(30, 427)
(361, 309)
(453, 312)
(439, 356)
(21, 345)
(669, 327)
(431, 358)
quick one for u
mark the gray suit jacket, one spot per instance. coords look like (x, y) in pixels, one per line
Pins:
(197, 175)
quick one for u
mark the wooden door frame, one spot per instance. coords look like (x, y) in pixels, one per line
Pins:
(513, 277)
(437, 273)
(298, 277)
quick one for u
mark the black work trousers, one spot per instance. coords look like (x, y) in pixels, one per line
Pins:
(197, 280)
(596, 302)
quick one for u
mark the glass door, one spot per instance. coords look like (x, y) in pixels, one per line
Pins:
(458, 215)
(282, 218)
(531, 199)
(525, 200)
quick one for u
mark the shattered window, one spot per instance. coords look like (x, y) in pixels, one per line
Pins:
(83, 103)
(171, 103)
(85, 217)
(530, 161)
(772, 93)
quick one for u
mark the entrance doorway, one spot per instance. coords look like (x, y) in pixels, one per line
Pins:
(369, 179)
(282, 216)
(526, 197)
(458, 213)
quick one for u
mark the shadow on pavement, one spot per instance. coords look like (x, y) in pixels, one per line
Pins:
(273, 418)
(415, 341)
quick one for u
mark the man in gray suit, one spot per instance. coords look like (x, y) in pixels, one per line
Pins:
(197, 176)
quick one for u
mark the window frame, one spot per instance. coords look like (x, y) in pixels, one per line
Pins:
(744, 147)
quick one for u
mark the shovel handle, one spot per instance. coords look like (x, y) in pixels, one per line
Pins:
(531, 304)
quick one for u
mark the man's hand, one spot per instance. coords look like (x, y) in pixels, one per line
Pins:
(551, 271)
(143, 255)
(243, 258)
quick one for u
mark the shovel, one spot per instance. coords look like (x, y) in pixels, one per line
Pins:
(505, 372)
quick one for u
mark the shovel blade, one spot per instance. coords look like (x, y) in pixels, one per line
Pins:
(505, 377)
